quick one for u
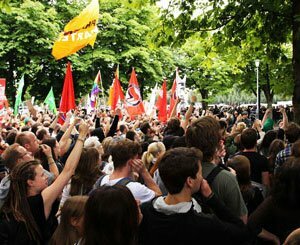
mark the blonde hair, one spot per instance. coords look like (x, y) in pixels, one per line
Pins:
(154, 150)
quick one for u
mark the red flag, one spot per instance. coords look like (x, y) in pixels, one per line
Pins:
(134, 103)
(117, 94)
(173, 97)
(67, 101)
(162, 106)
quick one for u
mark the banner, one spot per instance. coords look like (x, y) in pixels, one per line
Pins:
(134, 103)
(3, 99)
(162, 106)
(19, 96)
(79, 32)
(67, 101)
(50, 101)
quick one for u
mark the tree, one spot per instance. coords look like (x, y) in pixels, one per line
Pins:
(271, 21)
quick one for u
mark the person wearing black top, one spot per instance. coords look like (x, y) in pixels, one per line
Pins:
(28, 213)
(177, 218)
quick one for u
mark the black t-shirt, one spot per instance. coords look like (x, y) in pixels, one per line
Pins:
(258, 164)
(15, 233)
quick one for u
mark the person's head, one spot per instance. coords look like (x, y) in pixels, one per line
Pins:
(296, 149)
(268, 139)
(55, 148)
(27, 178)
(293, 238)
(87, 171)
(29, 141)
(249, 138)
(286, 187)
(244, 114)
(223, 126)
(15, 154)
(155, 149)
(123, 128)
(132, 135)
(42, 134)
(111, 216)
(241, 165)
(94, 142)
(123, 151)
(181, 168)
(292, 132)
(11, 137)
(275, 147)
(107, 146)
(204, 135)
(240, 127)
(146, 128)
(173, 127)
(70, 228)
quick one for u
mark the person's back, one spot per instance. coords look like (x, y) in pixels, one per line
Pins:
(204, 135)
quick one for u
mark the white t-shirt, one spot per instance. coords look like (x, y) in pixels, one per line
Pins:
(139, 191)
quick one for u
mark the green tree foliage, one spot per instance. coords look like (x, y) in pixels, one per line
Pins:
(262, 29)
(26, 38)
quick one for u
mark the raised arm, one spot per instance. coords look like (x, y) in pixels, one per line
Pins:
(267, 114)
(65, 140)
(285, 119)
(52, 165)
(188, 113)
(53, 191)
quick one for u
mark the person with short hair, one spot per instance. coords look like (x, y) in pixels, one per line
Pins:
(204, 135)
(178, 218)
(125, 160)
(258, 163)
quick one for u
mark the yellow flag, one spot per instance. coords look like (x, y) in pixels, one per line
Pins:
(79, 32)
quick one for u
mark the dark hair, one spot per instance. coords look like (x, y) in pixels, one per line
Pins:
(204, 135)
(111, 217)
(86, 173)
(173, 127)
(122, 151)
(122, 128)
(286, 187)
(41, 133)
(249, 138)
(296, 149)
(144, 127)
(292, 132)
(16, 203)
(35, 127)
(176, 165)
(241, 165)
(268, 139)
(130, 135)
(11, 137)
(275, 147)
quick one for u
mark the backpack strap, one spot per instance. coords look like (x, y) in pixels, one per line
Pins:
(213, 174)
(124, 181)
(98, 182)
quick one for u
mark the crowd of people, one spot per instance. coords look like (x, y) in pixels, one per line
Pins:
(217, 176)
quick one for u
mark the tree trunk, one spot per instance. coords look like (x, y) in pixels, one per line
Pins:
(204, 95)
(296, 59)
(267, 89)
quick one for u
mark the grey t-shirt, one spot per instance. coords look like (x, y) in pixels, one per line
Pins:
(226, 188)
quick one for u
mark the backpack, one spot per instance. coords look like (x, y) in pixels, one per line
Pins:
(210, 179)
(123, 181)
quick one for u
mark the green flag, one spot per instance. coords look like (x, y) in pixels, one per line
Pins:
(19, 96)
(50, 101)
